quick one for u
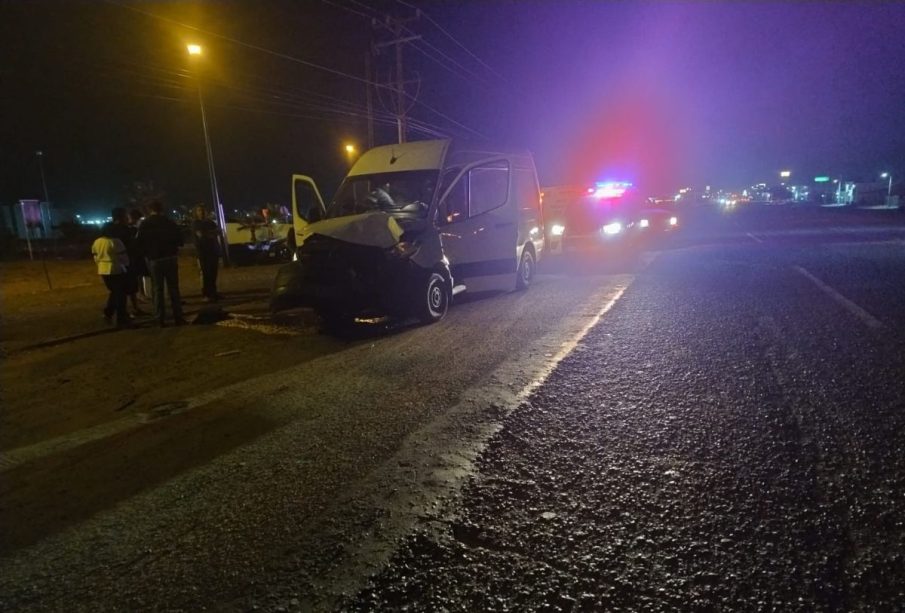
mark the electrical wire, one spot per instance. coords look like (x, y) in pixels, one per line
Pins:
(433, 22)
(290, 58)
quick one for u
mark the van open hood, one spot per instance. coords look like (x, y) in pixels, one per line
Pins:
(374, 229)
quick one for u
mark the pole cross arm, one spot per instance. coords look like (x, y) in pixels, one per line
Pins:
(398, 41)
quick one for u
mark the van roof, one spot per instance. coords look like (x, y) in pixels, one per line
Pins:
(431, 155)
(416, 155)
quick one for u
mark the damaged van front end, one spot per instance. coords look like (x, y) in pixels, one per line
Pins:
(410, 226)
(366, 265)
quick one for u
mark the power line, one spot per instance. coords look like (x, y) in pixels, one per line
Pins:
(162, 77)
(288, 58)
(465, 74)
(433, 22)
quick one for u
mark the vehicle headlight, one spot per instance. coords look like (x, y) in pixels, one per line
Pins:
(612, 228)
(673, 221)
(644, 223)
(557, 229)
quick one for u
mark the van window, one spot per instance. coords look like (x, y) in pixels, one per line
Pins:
(306, 203)
(456, 204)
(488, 187)
(526, 193)
(401, 194)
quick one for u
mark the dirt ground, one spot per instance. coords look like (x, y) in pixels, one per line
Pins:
(65, 369)
(67, 375)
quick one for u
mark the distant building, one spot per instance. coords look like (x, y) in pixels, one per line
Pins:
(32, 219)
(862, 194)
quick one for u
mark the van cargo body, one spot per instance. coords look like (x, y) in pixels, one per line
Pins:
(410, 226)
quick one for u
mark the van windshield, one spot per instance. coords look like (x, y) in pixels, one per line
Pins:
(401, 194)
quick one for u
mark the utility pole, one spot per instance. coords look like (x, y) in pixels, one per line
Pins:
(400, 85)
(194, 50)
(396, 25)
(40, 155)
(368, 95)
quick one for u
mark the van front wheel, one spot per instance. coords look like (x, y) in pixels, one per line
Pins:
(432, 299)
(525, 270)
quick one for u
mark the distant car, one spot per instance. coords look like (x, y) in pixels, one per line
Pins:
(254, 240)
(656, 219)
(592, 219)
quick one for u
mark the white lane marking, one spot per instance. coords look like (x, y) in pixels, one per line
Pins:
(13, 458)
(568, 346)
(433, 463)
(759, 240)
(866, 318)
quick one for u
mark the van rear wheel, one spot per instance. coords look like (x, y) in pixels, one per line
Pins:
(432, 299)
(525, 270)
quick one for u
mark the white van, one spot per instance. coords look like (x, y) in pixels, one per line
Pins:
(412, 225)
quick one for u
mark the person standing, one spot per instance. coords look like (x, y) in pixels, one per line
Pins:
(159, 239)
(112, 261)
(120, 228)
(207, 246)
(138, 263)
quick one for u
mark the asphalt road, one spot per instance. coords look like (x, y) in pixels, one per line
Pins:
(714, 424)
(272, 490)
(728, 437)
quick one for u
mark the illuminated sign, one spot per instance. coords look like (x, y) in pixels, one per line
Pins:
(821, 179)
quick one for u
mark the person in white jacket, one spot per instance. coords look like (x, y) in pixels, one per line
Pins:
(112, 262)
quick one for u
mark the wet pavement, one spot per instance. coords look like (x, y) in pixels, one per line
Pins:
(728, 437)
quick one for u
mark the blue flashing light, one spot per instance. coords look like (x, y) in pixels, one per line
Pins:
(610, 189)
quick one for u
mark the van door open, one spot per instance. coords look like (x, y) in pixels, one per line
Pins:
(307, 205)
(478, 226)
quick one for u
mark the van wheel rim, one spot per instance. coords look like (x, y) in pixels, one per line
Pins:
(435, 297)
(526, 268)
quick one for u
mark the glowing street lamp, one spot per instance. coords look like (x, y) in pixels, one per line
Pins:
(889, 187)
(194, 50)
(351, 152)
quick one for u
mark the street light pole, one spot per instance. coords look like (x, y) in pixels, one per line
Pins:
(888, 187)
(215, 193)
(40, 155)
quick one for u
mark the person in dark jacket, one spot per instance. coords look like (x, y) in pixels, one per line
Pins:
(206, 236)
(137, 259)
(119, 228)
(159, 239)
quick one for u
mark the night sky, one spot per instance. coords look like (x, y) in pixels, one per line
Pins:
(660, 94)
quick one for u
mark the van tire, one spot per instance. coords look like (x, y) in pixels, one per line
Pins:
(432, 299)
(525, 273)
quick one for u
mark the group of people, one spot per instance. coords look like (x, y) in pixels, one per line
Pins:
(136, 254)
